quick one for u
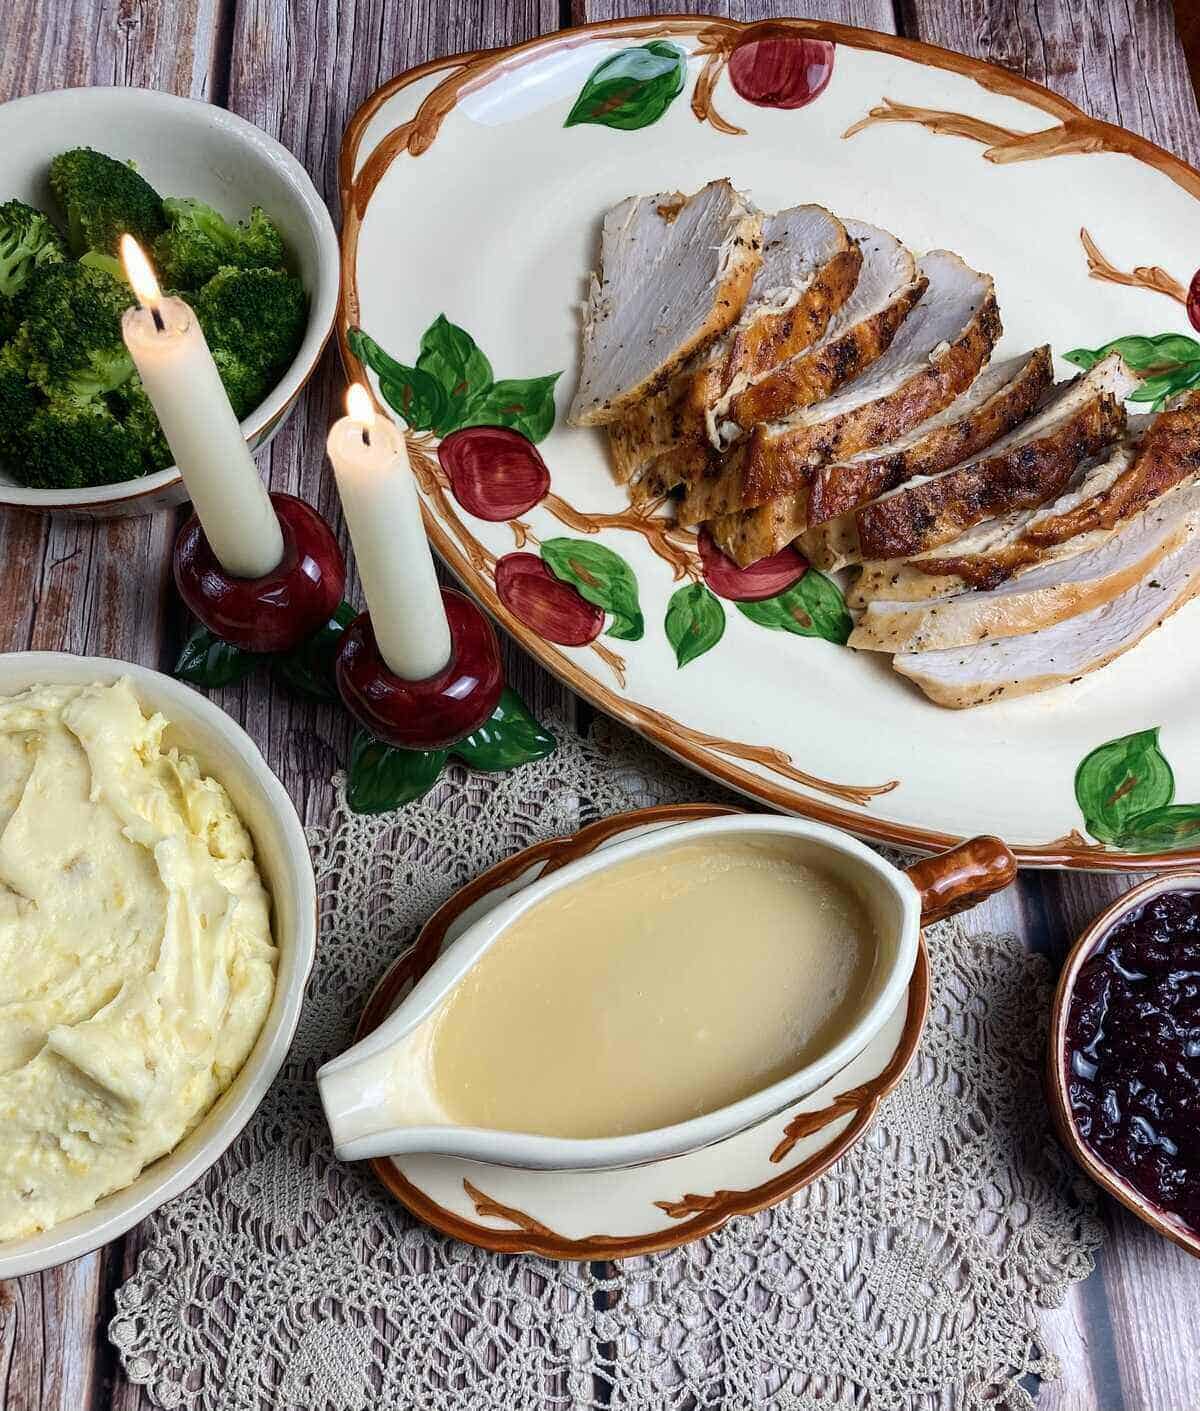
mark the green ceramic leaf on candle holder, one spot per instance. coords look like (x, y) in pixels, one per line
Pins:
(511, 736)
(208, 661)
(382, 777)
(308, 669)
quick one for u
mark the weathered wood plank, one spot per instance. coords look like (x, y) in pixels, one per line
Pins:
(870, 14)
(83, 587)
(1130, 1336)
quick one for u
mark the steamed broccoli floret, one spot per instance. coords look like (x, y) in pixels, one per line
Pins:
(70, 336)
(102, 199)
(18, 400)
(27, 240)
(66, 445)
(97, 259)
(201, 241)
(135, 411)
(257, 315)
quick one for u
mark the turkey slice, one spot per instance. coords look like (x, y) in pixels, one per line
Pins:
(809, 269)
(862, 330)
(1026, 468)
(935, 356)
(1018, 666)
(675, 272)
(1000, 397)
(1041, 597)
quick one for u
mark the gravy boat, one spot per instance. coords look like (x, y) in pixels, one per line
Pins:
(379, 1096)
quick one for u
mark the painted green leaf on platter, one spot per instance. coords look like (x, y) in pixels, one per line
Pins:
(631, 89)
(452, 385)
(1121, 779)
(695, 622)
(522, 404)
(457, 364)
(602, 577)
(1170, 360)
(1159, 829)
(813, 607)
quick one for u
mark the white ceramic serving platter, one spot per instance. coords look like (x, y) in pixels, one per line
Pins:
(466, 193)
(610, 1214)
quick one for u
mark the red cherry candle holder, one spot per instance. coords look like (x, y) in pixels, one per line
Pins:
(279, 610)
(433, 713)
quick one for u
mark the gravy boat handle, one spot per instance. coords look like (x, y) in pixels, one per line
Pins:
(957, 880)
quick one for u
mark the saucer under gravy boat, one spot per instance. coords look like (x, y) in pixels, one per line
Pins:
(380, 1097)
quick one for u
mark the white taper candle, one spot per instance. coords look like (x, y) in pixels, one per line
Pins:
(383, 515)
(168, 348)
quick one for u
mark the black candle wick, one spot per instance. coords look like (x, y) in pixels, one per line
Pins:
(366, 435)
(156, 315)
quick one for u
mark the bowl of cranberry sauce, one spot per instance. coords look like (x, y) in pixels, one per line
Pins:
(1125, 1054)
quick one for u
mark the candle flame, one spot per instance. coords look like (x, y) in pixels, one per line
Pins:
(358, 405)
(140, 273)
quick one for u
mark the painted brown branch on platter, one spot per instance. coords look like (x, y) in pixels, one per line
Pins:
(1003, 144)
(769, 758)
(1151, 277)
(663, 536)
(716, 44)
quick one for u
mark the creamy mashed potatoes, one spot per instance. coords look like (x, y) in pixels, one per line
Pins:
(136, 961)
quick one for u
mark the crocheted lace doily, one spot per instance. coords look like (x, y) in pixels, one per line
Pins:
(911, 1274)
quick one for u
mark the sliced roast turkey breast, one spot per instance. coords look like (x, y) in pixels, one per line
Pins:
(1038, 598)
(1018, 666)
(887, 289)
(675, 272)
(1000, 397)
(808, 271)
(935, 356)
(1029, 466)
(993, 542)
(861, 331)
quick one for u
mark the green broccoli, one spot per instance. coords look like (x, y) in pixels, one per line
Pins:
(70, 337)
(201, 241)
(27, 240)
(257, 315)
(18, 400)
(103, 199)
(96, 259)
(66, 446)
(135, 411)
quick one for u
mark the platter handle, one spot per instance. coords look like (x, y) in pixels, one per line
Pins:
(956, 880)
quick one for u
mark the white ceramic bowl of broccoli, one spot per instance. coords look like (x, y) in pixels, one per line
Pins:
(183, 149)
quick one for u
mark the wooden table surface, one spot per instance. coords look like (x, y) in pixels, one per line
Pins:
(1129, 1337)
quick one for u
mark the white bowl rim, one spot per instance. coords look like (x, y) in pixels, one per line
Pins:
(90, 1230)
(323, 297)
(557, 1153)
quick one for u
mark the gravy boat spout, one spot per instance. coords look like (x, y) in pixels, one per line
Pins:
(381, 1097)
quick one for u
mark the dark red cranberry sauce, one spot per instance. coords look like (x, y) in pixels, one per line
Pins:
(1133, 1052)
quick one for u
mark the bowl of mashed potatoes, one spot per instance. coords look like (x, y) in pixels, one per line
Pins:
(157, 928)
